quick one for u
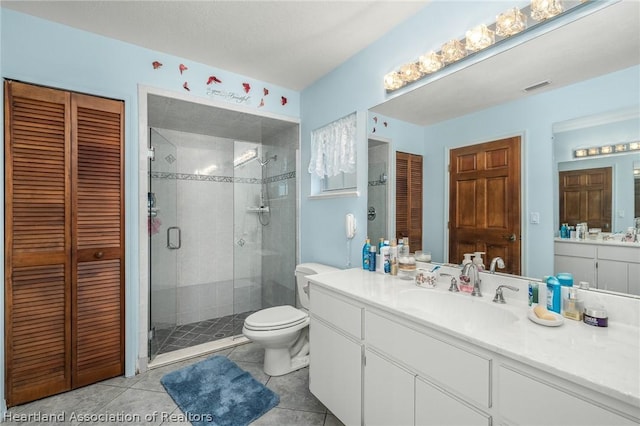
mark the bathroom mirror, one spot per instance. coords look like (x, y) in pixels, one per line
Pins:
(378, 189)
(439, 103)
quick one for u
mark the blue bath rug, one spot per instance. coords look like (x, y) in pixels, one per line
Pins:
(218, 392)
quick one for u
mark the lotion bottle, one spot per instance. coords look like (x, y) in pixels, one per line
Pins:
(553, 294)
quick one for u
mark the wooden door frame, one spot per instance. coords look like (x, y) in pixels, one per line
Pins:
(524, 224)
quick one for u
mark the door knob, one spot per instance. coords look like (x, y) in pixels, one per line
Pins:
(98, 255)
(511, 237)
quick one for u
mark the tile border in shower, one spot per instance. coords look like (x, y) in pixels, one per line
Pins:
(222, 179)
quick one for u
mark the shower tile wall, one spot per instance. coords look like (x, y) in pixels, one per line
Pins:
(377, 192)
(203, 177)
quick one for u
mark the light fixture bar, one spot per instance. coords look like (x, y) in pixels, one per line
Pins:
(614, 148)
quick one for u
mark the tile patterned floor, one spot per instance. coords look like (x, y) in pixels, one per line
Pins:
(135, 400)
(184, 336)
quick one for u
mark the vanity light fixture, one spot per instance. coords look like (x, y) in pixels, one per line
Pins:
(479, 38)
(452, 51)
(545, 9)
(510, 22)
(409, 72)
(392, 81)
(606, 149)
(507, 24)
(430, 62)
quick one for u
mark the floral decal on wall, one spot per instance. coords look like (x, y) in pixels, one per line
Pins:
(227, 95)
(375, 121)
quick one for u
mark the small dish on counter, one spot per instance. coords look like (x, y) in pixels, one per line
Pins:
(558, 319)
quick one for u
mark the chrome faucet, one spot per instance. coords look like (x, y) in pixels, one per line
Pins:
(470, 274)
(498, 298)
(494, 261)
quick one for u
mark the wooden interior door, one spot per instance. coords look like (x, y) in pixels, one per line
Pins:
(64, 251)
(484, 202)
(409, 198)
(585, 196)
(37, 243)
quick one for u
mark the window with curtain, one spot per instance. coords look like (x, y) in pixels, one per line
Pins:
(333, 154)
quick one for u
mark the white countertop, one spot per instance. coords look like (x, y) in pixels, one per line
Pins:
(606, 360)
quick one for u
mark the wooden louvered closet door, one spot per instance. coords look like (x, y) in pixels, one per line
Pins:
(409, 198)
(63, 241)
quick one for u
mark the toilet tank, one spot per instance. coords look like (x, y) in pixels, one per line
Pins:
(302, 283)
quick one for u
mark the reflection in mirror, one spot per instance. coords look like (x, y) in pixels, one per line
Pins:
(378, 194)
(617, 127)
(599, 189)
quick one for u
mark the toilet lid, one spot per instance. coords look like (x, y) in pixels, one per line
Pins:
(276, 317)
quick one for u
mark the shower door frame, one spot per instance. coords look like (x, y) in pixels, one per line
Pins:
(139, 324)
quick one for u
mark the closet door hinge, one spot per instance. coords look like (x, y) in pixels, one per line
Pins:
(151, 153)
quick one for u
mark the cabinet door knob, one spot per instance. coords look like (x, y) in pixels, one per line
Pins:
(98, 255)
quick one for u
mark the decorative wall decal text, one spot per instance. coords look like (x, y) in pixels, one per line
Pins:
(228, 96)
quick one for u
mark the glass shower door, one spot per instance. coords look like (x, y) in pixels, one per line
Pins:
(163, 242)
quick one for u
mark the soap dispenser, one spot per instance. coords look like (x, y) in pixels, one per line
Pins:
(467, 259)
(477, 260)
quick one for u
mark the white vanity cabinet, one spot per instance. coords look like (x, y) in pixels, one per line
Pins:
(388, 392)
(605, 266)
(335, 373)
(525, 399)
(374, 364)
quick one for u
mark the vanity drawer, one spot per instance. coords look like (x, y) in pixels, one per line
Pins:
(620, 254)
(332, 309)
(470, 377)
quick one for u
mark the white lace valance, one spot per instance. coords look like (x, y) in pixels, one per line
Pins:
(333, 148)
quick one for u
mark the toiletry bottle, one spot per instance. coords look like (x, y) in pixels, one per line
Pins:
(467, 258)
(553, 294)
(477, 260)
(385, 257)
(405, 245)
(564, 230)
(533, 293)
(572, 306)
(365, 254)
(380, 244)
(372, 258)
(393, 257)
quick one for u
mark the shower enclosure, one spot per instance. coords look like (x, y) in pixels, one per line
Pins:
(221, 230)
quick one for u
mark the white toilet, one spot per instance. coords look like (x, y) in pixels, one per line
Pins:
(283, 330)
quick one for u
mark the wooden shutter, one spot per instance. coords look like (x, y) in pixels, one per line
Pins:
(37, 242)
(98, 339)
(409, 198)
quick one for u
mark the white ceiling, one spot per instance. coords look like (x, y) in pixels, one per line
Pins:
(287, 43)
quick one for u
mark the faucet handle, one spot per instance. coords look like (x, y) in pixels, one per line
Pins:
(454, 285)
(498, 298)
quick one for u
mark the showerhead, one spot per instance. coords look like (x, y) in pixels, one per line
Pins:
(267, 160)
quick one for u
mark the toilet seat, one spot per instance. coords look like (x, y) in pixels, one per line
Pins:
(275, 318)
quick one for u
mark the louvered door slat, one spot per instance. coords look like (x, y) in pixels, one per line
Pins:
(98, 229)
(37, 242)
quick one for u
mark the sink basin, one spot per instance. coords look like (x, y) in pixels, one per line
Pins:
(456, 310)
